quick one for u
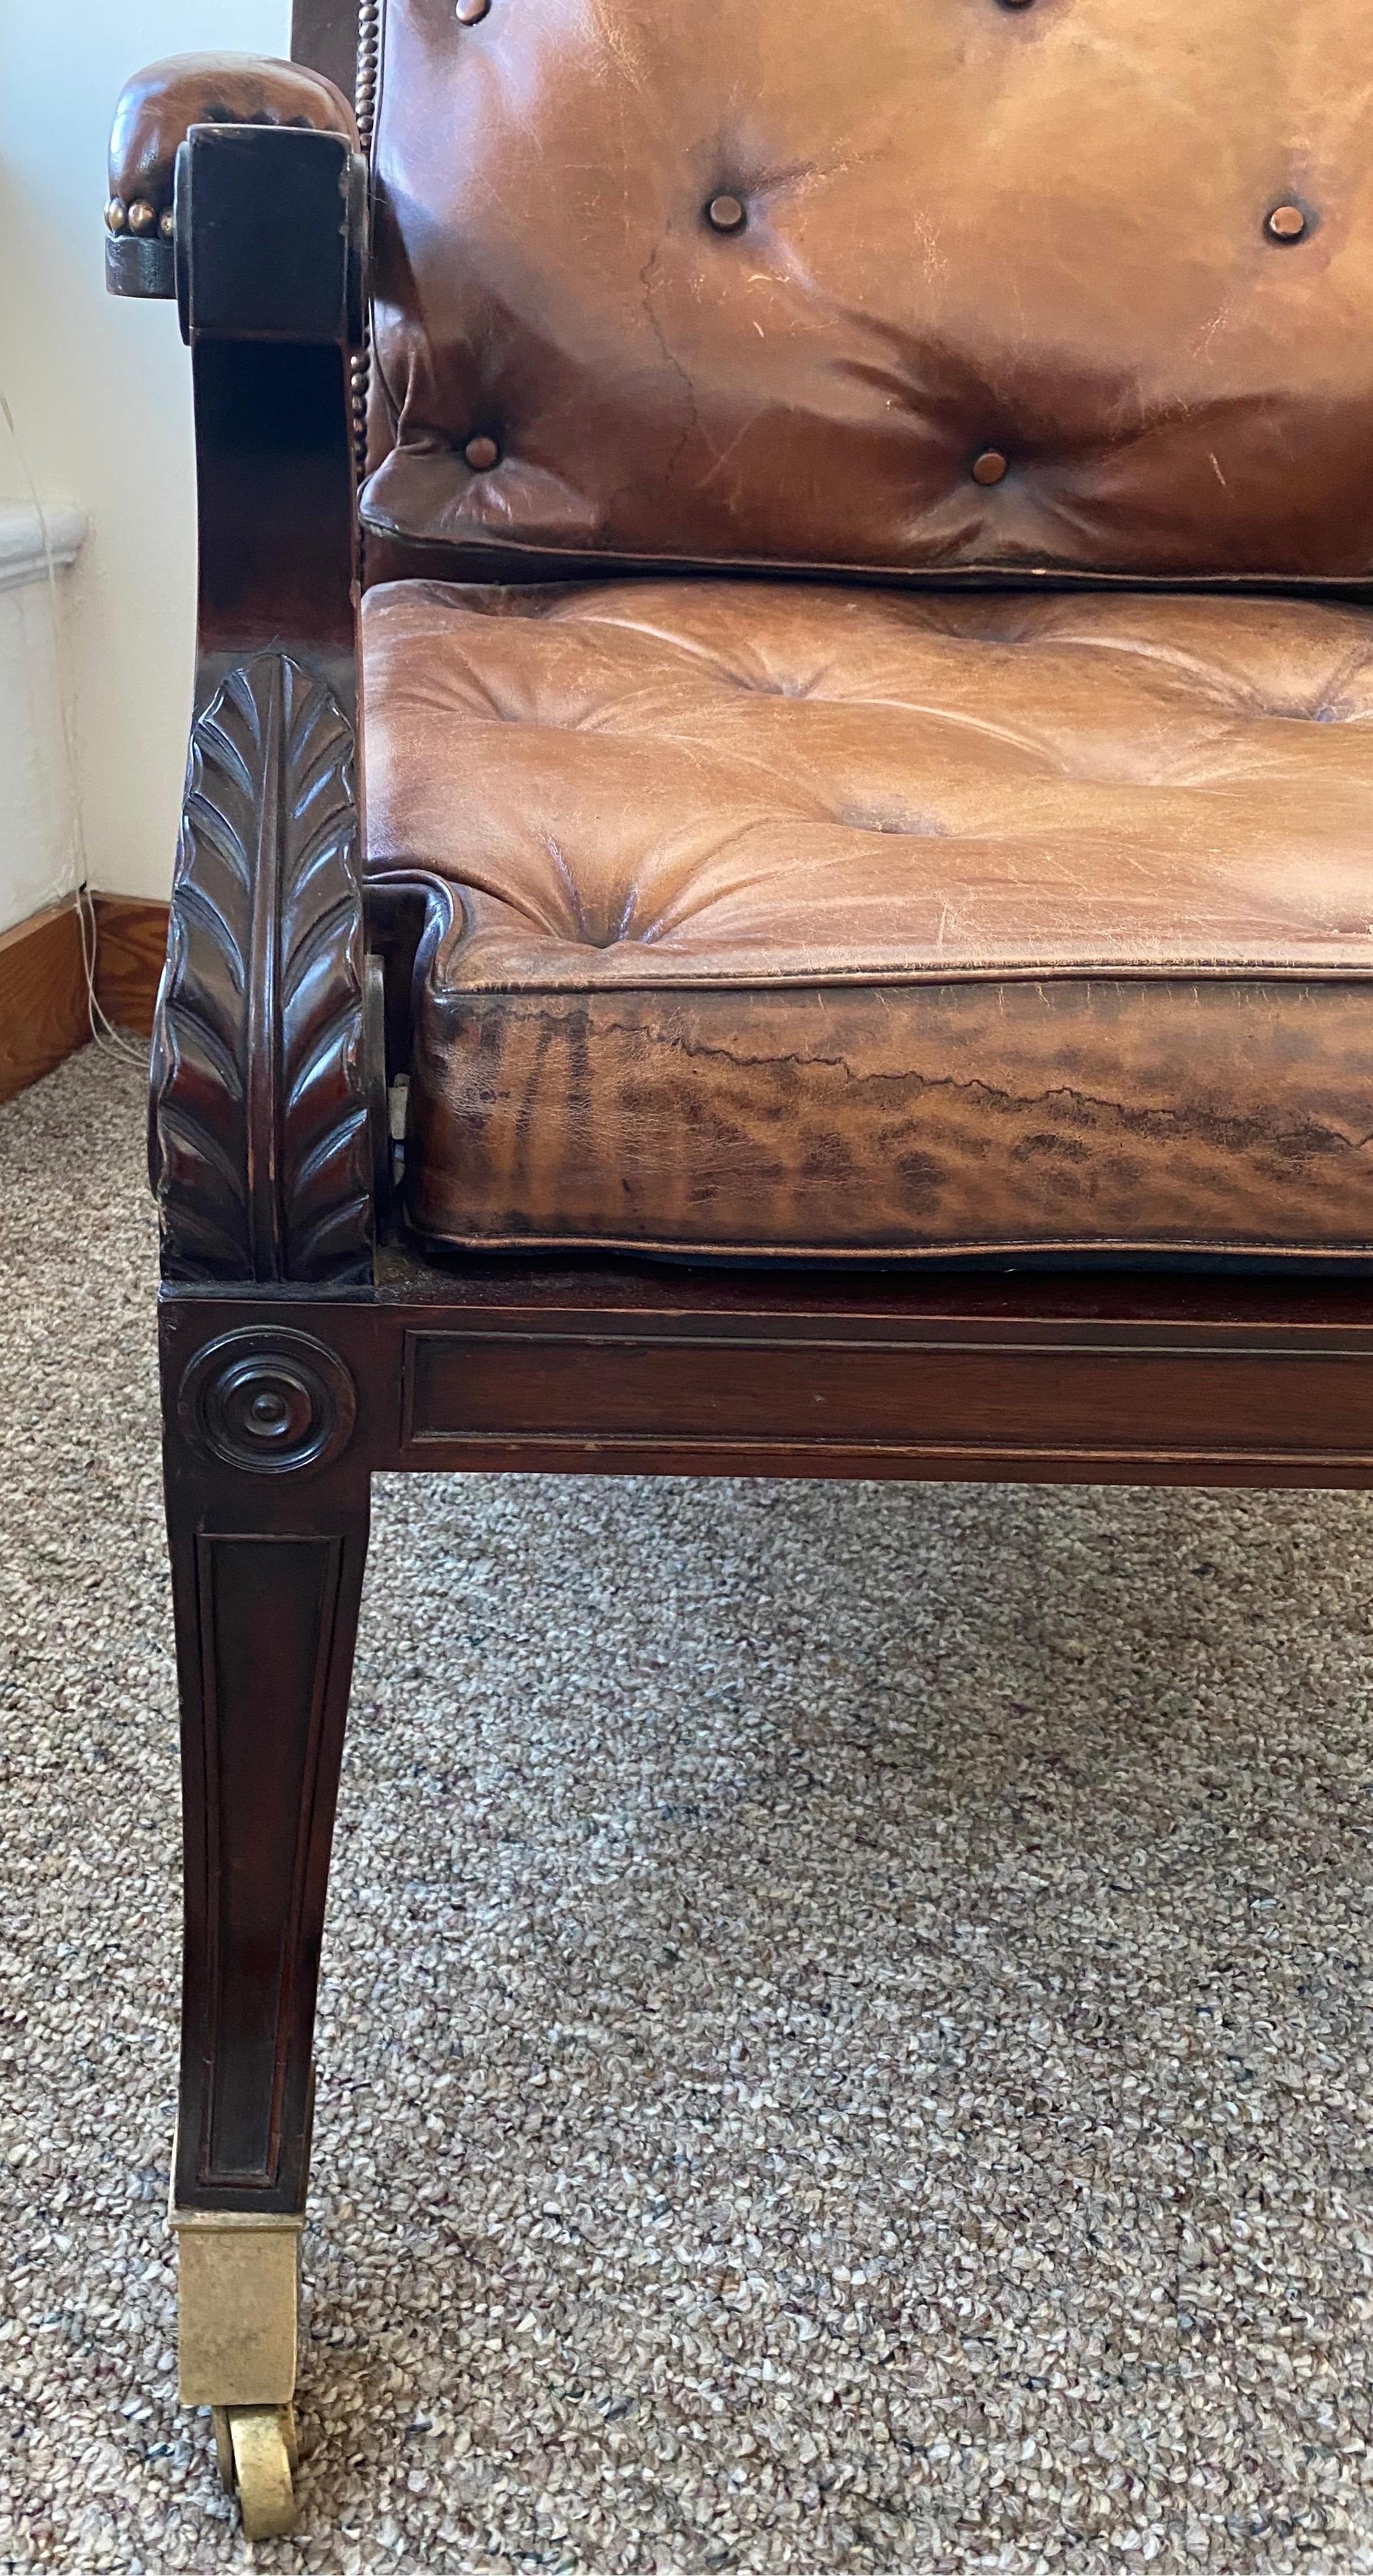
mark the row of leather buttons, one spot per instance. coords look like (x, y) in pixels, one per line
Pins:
(991, 466)
(481, 453)
(726, 213)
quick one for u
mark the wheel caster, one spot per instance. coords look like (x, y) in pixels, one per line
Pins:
(238, 2353)
(258, 2461)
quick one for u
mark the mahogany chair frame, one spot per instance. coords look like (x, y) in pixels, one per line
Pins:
(306, 1345)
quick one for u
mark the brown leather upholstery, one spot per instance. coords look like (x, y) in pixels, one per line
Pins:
(159, 106)
(796, 918)
(971, 232)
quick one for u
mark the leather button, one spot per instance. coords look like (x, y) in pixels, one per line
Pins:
(469, 12)
(725, 214)
(989, 466)
(482, 454)
(1286, 223)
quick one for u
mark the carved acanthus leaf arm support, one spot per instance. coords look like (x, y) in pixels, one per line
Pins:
(267, 1100)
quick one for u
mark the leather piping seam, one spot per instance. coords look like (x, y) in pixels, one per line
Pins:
(940, 576)
(861, 978)
(1042, 1250)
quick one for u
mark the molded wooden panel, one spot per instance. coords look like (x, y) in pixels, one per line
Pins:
(625, 1368)
(267, 1610)
(903, 1392)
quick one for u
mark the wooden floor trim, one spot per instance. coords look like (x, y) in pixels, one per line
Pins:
(42, 996)
(131, 942)
(43, 1008)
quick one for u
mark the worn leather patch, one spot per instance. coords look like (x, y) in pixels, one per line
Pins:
(790, 918)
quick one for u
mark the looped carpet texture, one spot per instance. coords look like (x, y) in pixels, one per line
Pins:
(845, 2033)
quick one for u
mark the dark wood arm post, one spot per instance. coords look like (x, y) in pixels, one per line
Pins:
(264, 1138)
(263, 1122)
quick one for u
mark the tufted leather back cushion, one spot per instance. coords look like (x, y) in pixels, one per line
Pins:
(1075, 287)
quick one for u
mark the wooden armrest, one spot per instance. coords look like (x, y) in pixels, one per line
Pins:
(157, 110)
(268, 1113)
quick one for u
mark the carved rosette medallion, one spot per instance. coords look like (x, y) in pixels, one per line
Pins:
(275, 1403)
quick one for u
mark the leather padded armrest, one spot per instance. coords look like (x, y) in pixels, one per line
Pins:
(156, 111)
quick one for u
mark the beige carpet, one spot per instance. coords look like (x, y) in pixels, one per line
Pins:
(846, 2031)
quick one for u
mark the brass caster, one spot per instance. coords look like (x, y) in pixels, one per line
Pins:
(238, 2353)
(258, 2461)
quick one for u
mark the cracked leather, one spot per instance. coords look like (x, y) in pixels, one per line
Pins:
(800, 919)
(1038, 230)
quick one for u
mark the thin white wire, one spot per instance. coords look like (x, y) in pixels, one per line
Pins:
(102, 1029)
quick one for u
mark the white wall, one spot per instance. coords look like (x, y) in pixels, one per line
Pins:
(36, 804)
(100, 395)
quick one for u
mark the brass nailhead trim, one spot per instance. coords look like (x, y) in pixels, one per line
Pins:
(990, 466)
(369, 46)
(365, 109)
(469, 13)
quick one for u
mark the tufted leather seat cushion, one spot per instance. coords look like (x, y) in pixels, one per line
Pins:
(1124, 252)
(795, 919)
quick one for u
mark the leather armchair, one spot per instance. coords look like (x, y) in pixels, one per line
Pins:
(855, 634)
